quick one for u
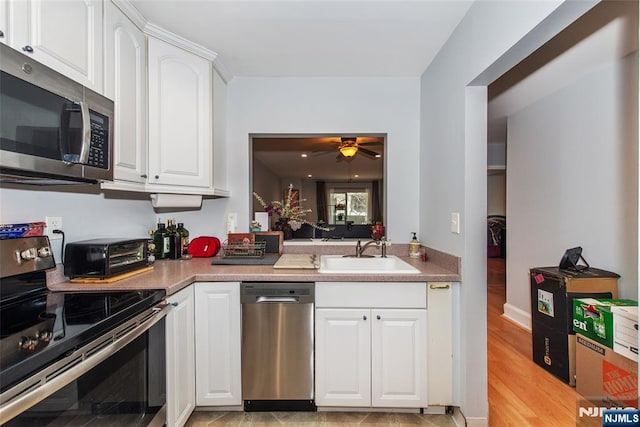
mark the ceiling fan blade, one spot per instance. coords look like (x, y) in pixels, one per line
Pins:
(339, 157)
(369, 144)
(367, 152)
(321, 152)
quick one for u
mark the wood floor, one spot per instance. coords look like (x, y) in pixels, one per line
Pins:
(520, 392)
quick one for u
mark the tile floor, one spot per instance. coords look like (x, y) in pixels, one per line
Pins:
(254, 419)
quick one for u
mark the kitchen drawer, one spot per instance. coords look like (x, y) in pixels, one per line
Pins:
(371, 294)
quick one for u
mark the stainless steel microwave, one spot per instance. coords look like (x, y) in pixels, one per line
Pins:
(53, 130)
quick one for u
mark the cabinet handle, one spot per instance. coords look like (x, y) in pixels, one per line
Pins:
(433, 286)
(378, 317)
(364, 317)
(28, 48)
(1, 33)
(157, 176)
(144, 175)
(174, 304)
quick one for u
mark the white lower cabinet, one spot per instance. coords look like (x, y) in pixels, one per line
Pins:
(440, 333)
(218, 343)
(398, 358)
(180, 358)
(371, 357)
(343, 357)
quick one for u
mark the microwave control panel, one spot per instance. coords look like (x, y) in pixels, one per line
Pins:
(99, 151)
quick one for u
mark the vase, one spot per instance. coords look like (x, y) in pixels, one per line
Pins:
(283, 225)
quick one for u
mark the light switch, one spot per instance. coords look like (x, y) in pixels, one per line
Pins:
(455, 222)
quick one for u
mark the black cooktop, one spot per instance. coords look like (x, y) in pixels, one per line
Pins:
(39, 327)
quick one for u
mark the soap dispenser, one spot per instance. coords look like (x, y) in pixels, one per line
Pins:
(414, 247)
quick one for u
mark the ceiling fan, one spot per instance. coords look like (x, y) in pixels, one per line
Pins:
(348, 147)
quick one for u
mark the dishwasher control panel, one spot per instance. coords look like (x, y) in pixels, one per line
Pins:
(293, 292)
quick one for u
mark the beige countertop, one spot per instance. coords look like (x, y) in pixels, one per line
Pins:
(173, 275)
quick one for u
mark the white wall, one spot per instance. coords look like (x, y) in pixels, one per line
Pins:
(493, 37)
(331, 105)
(572, 179)
(84, 215)
(87, 213)
(496, 194)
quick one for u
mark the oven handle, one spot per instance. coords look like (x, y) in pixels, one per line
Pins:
(46, 388)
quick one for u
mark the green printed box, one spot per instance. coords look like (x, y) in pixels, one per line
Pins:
(593, 318)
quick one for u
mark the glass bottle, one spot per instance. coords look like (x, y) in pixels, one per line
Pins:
(160, 240)
(184, 238)
(173, 248)
(151, 247)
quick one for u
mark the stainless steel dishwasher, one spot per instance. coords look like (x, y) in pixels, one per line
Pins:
(277, 346)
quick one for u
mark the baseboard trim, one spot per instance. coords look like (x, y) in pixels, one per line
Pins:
(517, 315)
(477, 422)
(458, 417)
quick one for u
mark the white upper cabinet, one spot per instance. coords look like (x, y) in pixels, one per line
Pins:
(125, 83)
(4, 20)
(180, 116)
(65, 35)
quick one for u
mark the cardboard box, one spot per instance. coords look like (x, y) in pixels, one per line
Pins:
(593, 318)
(552, 294)
(625, 331)
(603, 376)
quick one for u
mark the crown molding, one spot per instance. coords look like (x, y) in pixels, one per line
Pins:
(131, 12)
(156, 31)
(179, 41)
(222, 71)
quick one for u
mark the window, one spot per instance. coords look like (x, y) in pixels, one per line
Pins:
(349, 205)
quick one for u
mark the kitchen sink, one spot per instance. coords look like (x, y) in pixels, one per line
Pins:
(370, 265)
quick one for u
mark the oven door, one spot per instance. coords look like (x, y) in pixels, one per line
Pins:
(118, 379)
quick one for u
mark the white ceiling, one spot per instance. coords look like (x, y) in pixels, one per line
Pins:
(313, 37)
(283, 157)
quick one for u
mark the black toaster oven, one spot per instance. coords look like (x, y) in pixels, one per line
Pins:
(103, 258)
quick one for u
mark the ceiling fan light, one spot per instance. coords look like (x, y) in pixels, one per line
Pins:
(349, 150)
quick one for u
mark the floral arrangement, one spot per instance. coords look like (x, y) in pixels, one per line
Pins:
(288, 211)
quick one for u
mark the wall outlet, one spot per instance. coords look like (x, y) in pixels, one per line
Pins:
(232, 222)
(53, 223)
(55, 240)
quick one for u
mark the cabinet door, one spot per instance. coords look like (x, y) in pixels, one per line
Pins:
(440, 333)
(65, 35)
(181, 375)
(343, 357)
(125, 83)
(4, 21)
(180, 106)
(399, 358)
(218, 376)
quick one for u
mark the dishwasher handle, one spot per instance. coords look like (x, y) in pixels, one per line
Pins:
(276, 299)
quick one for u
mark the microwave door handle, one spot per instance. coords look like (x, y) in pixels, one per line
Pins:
(86, 133)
